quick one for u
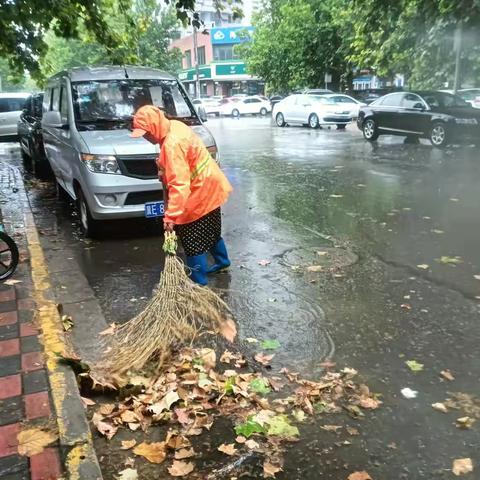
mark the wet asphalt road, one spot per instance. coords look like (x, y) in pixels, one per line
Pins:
(378, 211)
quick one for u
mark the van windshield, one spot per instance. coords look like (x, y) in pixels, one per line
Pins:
(110, 104)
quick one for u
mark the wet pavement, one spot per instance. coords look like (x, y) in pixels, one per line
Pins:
(378, 219)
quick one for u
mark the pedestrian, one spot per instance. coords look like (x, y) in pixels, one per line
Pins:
(195, 190)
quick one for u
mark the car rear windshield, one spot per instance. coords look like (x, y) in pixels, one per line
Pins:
(104, 104)
(11, 104)
(443, 99)
(320, 99)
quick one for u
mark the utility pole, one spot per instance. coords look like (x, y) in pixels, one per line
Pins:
(457, 45)
(197, 71)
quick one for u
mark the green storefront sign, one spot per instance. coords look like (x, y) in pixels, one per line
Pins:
(203, 72)
(230, 69)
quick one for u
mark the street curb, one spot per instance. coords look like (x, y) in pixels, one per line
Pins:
(75, 438)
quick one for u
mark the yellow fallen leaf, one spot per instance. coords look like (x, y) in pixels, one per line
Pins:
(105, 428)
(165, 403)
(441, 407)
(87, 402)
(423, 266)
(34, 440)
(128, 416)
(270, 470)
(263, 359)
(128, 474)
(314, 268)
(369, 403)
(184, 453)
(462, 466)
(465, 422)
(334, 195)
(229, 330)
(363, 475)
(227, 449)
(252, 444)
(208, 358)
(153, 452)
(447, 374)
(127, 444)
(180, 469)
(106, 409)
(331, 428)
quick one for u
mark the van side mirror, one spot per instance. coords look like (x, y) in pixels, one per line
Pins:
(202, 114)
(54, 120)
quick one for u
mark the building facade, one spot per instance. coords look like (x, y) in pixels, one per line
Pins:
(367, 81)
(220, 70)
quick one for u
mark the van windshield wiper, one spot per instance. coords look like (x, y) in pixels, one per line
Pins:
(107, 120)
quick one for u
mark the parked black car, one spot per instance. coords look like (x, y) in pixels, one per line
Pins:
(441, 117)
(30, 133)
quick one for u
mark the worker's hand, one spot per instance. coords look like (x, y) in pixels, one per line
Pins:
(168, 226)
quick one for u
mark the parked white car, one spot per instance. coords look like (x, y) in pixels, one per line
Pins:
(311, 110)
(470, 95)
(210, 105)
(244, 106)
(11, 106)
(347, 102)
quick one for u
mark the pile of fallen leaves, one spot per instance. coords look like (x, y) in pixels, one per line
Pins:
(194, 390)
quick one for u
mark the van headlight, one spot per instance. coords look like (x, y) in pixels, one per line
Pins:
(100, 163)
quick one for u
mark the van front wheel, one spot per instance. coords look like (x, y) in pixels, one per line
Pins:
(88, 224)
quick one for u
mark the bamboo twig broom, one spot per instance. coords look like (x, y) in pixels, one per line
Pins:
(178, 311)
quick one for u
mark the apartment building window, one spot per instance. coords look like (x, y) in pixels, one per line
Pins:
(224, 52)
(188, 59)
(201, 55)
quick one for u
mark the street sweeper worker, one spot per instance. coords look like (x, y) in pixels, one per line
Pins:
(195, 186)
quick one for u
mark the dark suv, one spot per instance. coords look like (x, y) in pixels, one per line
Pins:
(441, 117)
(30, 133)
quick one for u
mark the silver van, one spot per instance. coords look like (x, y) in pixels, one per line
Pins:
(11, 107)
(87, 115)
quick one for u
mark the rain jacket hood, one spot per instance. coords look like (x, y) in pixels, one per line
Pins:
(152, 120)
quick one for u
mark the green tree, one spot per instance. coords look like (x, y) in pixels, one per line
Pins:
(25, 23)
(414, 37)
(147, 45)
(295, 43)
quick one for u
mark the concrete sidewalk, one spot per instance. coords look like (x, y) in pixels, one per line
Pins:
(36, 390)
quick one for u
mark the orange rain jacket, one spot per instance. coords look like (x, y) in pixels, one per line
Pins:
(196, 185)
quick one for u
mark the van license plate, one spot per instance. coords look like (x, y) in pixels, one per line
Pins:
(154, 209)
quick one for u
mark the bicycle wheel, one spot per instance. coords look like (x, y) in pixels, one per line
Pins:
(8, 256)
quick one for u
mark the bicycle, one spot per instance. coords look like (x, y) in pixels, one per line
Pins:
(8, 255)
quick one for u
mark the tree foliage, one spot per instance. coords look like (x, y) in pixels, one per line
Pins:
(147, 45)
(24, 27)
(24, 23)
(297, 41)
(414, 37)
